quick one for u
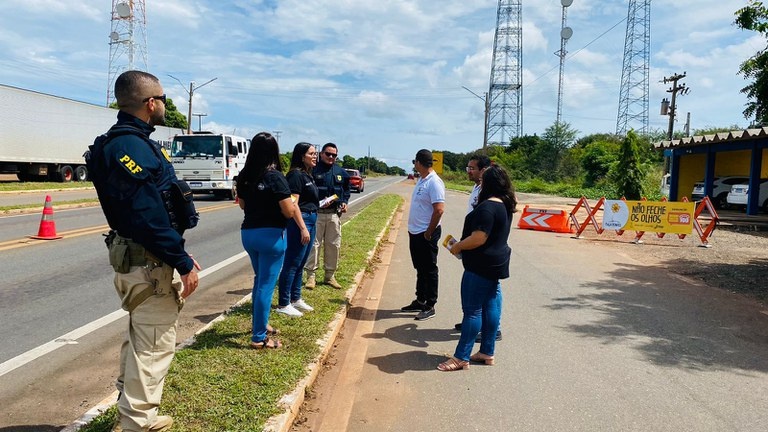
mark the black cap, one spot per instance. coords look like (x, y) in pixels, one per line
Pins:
(424, 157)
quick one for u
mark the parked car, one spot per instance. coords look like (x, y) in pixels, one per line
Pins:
(721, 186)
(410, 176)
(356, 181)
(739, 195)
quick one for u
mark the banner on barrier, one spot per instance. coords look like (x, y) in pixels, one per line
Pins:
(652, 216)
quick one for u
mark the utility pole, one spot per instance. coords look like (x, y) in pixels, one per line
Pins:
(487, 103)
(191, 92)
(277, 133)
(668, 108)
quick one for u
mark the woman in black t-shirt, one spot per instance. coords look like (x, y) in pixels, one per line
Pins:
(485, 255)
(265, 197)
(305, 193)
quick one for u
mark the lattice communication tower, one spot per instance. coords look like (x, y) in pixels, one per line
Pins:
(633, 96)
(127, 41)
(505, 118)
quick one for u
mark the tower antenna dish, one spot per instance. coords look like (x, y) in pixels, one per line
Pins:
(127, 41)
(123, 10)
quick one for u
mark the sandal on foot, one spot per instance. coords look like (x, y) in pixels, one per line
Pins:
(453, 364)
(479, 357)
(271, 331)
(267, 344)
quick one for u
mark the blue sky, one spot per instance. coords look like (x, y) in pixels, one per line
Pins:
(382, 76)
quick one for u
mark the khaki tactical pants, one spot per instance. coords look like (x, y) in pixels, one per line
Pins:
(327, 232)
(149, 346)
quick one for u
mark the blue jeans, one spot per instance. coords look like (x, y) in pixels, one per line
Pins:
(481, 304)
(296, 254)
(266, 248)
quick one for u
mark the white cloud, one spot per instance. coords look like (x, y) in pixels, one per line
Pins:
(385, 74)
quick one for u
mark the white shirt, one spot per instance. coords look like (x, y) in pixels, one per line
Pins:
(473, 198)
(428, 190)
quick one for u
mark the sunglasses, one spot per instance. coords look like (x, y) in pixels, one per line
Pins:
(331, 155)
(161, 98)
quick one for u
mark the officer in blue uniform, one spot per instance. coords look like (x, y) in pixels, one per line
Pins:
(135, 183)
(330, 179)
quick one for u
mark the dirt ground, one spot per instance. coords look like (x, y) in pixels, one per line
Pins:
(736, 261)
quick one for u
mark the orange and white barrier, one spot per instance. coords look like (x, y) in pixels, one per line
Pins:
(704, 231)
(544, 220)
(47, 230)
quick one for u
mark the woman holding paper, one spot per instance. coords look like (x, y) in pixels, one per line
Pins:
(485, 256)
(301, 230)
(265, 198)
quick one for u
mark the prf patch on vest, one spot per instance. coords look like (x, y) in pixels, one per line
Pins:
(130, 164)
(338, 178)
(165, 153)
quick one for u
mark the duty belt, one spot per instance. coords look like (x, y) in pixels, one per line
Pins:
(328, 210)
(138, 255)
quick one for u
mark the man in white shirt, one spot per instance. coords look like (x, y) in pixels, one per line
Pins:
(475, 167)
(426, 210)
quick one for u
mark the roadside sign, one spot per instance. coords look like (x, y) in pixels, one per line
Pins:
(437, 162)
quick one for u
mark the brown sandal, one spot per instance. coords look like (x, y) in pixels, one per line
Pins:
(267, 344)
(479, 357)
(453, 364)
(271, 331)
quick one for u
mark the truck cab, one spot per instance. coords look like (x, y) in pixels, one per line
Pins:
(209, 162)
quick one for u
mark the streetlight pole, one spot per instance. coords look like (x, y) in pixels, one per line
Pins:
(487, 103)
(191, 93)
(200, 120)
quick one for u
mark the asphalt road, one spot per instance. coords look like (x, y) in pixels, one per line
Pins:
(592, 341)
(60, 323)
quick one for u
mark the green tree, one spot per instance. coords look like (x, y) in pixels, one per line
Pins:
(349, 161)
(547, 158)
(173, 118)
(713, 130)
(597, 160)
(628, 174)
(754, 17)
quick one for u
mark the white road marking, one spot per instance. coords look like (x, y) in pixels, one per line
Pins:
(72, 337)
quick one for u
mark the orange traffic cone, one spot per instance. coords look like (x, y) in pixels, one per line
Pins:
(47, 230)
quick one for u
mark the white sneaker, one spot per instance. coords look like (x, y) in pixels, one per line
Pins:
(301, 304)
(289, 310)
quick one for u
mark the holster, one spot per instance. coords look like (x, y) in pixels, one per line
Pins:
(124, 253)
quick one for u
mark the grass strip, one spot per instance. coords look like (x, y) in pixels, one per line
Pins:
(58, 204)
(219, 384)
(41, 186)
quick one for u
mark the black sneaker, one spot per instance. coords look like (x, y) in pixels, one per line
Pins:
(478, 339)
(425, 314)
(457, 327)
(415, 306)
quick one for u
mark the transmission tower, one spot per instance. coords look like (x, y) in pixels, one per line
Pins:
(505, 117)
(127, 41)
(633, 96)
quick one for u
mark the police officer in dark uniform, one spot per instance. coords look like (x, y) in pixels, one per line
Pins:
(147, 210)
(330, 179)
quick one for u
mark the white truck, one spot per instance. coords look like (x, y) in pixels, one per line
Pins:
(209, 162)
(43, 137)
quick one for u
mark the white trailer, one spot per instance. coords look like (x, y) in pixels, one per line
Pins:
(43, 137)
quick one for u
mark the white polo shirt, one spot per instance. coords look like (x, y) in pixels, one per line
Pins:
(473, 198)
(428, 190)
